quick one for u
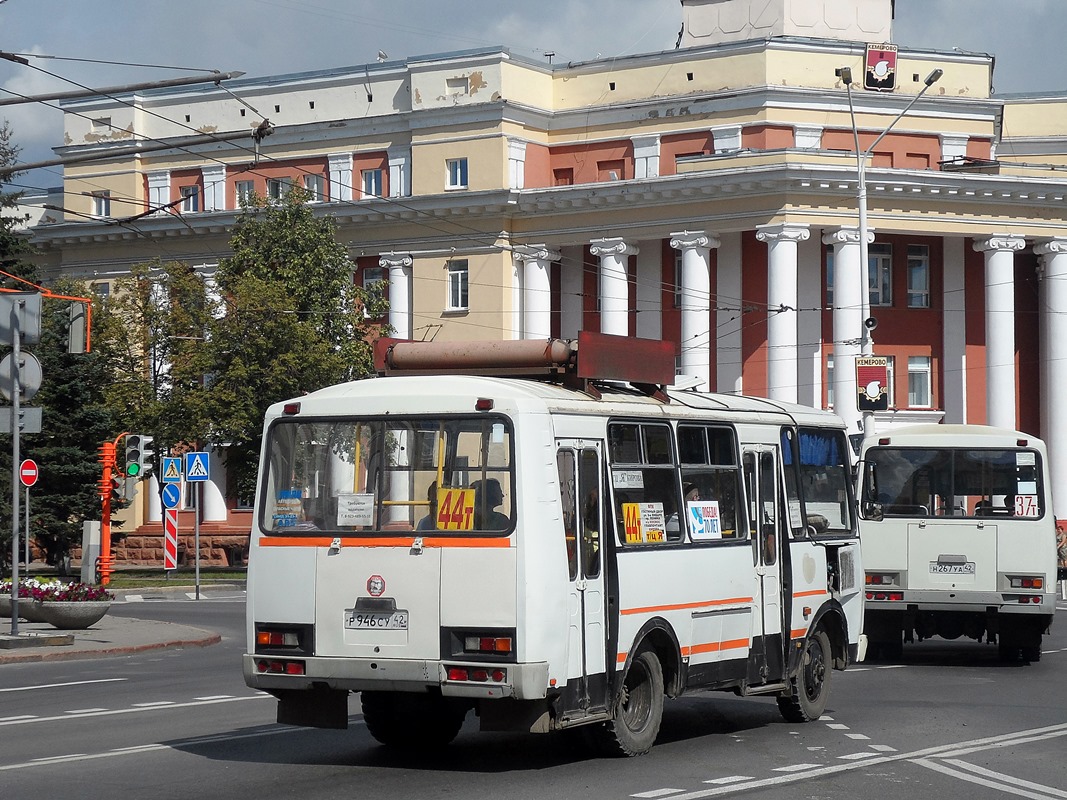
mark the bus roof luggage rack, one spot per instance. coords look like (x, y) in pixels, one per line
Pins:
(646, 364)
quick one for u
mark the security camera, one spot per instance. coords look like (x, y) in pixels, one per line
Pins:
(870, 323)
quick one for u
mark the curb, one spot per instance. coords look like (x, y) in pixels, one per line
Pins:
(102, 652)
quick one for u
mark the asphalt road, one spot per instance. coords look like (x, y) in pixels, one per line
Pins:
(946, 721)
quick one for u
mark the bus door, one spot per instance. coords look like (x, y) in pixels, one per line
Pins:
(762, 489)
(580, 470)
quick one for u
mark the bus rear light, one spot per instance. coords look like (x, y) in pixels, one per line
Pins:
(1022, 582)
(291, 408)
(1028, 599)
(894, 596)
(880, 579)
(483, 404)
(476, 675)
(279, 667)
(269, 638)
(487, 644)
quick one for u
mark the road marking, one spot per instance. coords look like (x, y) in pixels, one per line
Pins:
(658, 793)
(215, 697)
(14, 719)
(883, 748)
(730, 779)
(133, 598)
(155, 704)
(112, 712)
(837, 726)
(795, 767)
(992, 780)
(857, 756)
(58, 685)
(85, 711)
(858, 736)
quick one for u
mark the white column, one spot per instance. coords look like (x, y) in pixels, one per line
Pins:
(999, 254)
(214, 187)
(1052, 318)
(649, 292)
(614, 284)
(810, 284)
(850, 284)
(728, 320)
(399, 266)
(213, 497)
(782, 274)
(340, 166)
(570, 291)
(399, 171)
(954, 360)
(536, 261)
(155, 502)
(695, 305)
(158, 190)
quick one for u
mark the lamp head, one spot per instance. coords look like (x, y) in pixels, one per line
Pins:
(934, 77)
(845, 74)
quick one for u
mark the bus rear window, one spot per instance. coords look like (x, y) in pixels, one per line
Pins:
(918, 482)
(448, 476)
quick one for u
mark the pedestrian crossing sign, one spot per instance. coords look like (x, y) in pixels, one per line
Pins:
(172, 470)
(196, 468)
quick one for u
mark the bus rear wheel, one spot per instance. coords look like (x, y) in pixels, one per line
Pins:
(811, 685)
(638, 710)
(401, 719)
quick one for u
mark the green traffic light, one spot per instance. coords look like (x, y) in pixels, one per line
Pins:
(133, 470)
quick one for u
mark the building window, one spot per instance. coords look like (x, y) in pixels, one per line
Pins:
(457, 285)
(457, 173)
(278, 188)
(920, 387)
(372, 276)
(890, 380)
(610, 170)
(372, 182)
(315, 185)
(454, 86)
(243, 190)
(918, 276)
(880, 274)
(101, 204)
(563, 177)
(677, 279)
(190, 199)
(829, 381)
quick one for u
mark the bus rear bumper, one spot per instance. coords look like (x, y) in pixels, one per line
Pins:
(520, 681)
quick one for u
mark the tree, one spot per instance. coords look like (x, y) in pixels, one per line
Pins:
(289, 321)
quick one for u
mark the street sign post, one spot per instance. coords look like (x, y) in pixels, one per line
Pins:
(197, 470)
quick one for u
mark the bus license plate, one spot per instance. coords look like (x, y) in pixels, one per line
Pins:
(952, 569)
(378, 621)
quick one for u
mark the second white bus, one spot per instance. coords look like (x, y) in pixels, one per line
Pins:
(958, 537)
(547, 553)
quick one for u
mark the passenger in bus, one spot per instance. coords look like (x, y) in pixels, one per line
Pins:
(429, 522)
(487, 496)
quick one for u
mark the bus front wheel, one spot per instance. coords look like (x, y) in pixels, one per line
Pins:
(811, 685)
(638, 710)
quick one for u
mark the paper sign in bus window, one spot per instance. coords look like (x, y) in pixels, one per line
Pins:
(1026, 505)
(644, 523)
(355, 510)
(288, 508)
(455, 509)
(628, 479)
(704, 521)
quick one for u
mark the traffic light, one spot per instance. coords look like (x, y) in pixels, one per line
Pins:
(118, 490)
(138, 455)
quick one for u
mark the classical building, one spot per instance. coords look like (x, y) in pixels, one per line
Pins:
(708, 195)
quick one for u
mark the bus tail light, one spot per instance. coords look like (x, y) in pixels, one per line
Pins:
(881, 579)
(1036, 599)
(896, 597)
(1027, 582)
(273, 638)
(279, 667)
(498, 645)
(476, 674)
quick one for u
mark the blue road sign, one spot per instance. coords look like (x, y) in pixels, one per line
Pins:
(172, 470)
(196, 468)
(171, 495)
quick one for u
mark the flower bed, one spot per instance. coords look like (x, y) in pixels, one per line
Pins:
(42, 600)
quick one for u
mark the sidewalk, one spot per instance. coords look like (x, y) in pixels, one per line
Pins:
(111, 636)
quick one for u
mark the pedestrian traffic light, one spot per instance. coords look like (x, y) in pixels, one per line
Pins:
(145, 460)
(118, 489)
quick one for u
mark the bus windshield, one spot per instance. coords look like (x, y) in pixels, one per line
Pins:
(446, 476)
(917, 482)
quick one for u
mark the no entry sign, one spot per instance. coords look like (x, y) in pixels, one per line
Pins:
(28, 472)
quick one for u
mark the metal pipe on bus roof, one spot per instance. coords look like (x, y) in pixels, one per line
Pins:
(512, 354)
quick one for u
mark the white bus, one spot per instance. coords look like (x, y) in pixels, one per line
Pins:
(958, 537)
(549, 553)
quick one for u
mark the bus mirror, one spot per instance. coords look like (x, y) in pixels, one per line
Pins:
(873, 511)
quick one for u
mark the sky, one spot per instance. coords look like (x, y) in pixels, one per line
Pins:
(157, 40)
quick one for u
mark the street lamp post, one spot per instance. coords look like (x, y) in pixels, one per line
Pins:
(866, 342)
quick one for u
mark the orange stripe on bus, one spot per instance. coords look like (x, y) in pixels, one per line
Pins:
(385, 541)
(683, 606)
(706, 647)
(798, 633)
(812, 593)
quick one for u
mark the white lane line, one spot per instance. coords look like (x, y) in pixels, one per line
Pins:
(16, 719)
(134, 598)
(85, 711)
(858, 736)
(894, 666)
(883, 748)
(658, 793)
(825, 718)
(730, 779)
(112, 712)
(1045, 794)
(837, 726)
(60, 685)
(1006, 778)
(215, 697)
(858, 756)
(795, 767)
(154, 704)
